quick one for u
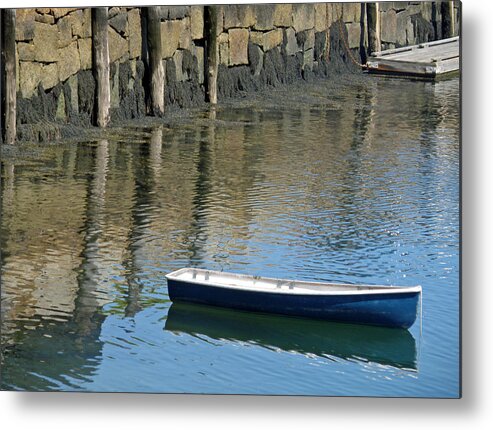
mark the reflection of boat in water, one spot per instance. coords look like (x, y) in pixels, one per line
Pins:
(387, 346)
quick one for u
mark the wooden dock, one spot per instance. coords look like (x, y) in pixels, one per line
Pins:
(427, 60)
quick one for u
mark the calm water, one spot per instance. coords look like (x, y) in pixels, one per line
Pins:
(349, 183)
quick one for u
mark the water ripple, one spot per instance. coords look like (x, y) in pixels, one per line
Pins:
(355, 182)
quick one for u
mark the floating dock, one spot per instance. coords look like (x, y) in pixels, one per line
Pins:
(427, 60)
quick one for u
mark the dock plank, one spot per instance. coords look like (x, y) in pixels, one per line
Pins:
(429, 60)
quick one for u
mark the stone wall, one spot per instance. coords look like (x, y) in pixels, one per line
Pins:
(55, 79)
(182, 33)
(259, 45)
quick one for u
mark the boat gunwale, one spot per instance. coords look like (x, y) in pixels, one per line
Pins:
(365, 289)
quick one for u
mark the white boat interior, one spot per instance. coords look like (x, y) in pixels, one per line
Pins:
(276, 285)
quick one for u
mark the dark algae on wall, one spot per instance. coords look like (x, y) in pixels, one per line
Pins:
(255, 46)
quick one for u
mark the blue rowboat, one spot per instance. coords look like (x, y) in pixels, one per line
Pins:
(388, 306)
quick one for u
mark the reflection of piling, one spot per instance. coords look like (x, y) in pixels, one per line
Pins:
(102, 155)
(202, 190)
(139, 220)
(155, 61)
(101, 58)
(212, 127)
(363, 122)
(212, 60)
(72, 161)
(8, 80)
(156, 145)
(8, 191)
(87, 304)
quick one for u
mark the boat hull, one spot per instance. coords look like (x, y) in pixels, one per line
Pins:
(382, 309)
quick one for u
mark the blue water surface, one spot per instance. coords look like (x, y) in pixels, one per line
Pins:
(356, 182)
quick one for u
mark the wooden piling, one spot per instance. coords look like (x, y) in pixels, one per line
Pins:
(363, 38)
(1, 82)
(436, 19)
(452, 17)
(448, 19)
(373, 18)
(101, 64)
(8, 84)
(155, 52)
(212, 55)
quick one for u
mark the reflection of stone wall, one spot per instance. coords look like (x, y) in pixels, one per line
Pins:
(259, 45)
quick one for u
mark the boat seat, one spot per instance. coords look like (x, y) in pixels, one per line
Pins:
(281, 284)
(196, 275)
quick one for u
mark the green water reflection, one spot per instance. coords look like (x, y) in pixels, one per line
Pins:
(392, 347)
